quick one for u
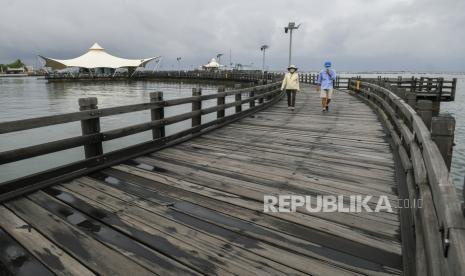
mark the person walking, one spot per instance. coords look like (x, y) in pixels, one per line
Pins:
(325, 85)
(291, 85)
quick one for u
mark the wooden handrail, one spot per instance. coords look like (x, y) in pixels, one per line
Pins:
(156, 123)
(444, 89)
(25, 124)
(440, 224)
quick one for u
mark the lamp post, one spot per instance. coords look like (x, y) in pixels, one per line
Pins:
(290, 27)
(218, 58)
(178, 59)
(263, 49)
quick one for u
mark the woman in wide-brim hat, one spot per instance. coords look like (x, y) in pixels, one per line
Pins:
(291, 85)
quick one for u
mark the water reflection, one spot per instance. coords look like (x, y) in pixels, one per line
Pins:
(30, 97)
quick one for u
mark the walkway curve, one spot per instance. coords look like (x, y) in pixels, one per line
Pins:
(197, 207)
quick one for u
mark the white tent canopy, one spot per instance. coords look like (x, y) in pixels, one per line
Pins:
(212, 64)
(96, 57)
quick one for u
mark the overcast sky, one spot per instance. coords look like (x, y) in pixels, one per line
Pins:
(356, 35)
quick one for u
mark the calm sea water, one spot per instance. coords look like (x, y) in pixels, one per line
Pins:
(23, 98)
(30, 97)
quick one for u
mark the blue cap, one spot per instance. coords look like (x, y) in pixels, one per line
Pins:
(327, 64)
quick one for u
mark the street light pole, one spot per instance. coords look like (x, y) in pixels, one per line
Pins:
(218, 58)
(290, 48)
(290, 27)
(179, 65)
(263, 48)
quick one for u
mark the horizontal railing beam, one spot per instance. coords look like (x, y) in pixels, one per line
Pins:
(26, 124)
(47, 148)
(13, 188)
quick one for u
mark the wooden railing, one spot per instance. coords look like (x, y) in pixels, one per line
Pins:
(257, 98)
(225, 75)
(424, 87)
(433, 234)
(241, 76)
(339, 83)
(437, 89)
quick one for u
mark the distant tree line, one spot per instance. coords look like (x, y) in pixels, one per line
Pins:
(16, 64)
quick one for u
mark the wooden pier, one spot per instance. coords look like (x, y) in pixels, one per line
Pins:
(191, 203)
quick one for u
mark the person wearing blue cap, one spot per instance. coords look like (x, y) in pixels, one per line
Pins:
(325, 84)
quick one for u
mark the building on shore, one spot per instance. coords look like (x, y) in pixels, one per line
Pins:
(15, 69)
(20, 70)
(97, 62)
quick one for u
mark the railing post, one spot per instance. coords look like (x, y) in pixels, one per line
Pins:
(429, 85)
(463, 194)
(197, 105)
(425, 110)
(157, 113)
(420, 84)
(90, 126)
(238, 98)
(220, 101)
(252, 102)
(261, 99)
(269, 97)
(413, 85)
(442, 132)
(452, 90)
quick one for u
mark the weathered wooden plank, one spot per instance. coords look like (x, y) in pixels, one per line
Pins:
(284, 164)
(174, 210)
(268, 174)
(255, 191)
(178, 199)
(126, 245)
(95, 255)
(299, 218)
(265, 220)
(16, 260)
(47, 252)
(287, 181)
(222, 248)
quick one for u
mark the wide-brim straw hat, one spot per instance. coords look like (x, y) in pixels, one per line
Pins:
(292, 67)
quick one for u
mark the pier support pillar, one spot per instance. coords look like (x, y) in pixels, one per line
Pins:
(252, 102)
(269, 97)
(442, 132)
(436, 107)
(425, 110)
(261, 99)
(90, 126)
(197, 106)
(157, 114)
(220, 101)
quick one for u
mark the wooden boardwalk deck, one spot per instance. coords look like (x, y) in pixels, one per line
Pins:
(196, 208)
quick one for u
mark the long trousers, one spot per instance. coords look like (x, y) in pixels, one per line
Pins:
(291, 97)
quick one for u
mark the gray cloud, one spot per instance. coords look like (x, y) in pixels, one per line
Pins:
(354, 34)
